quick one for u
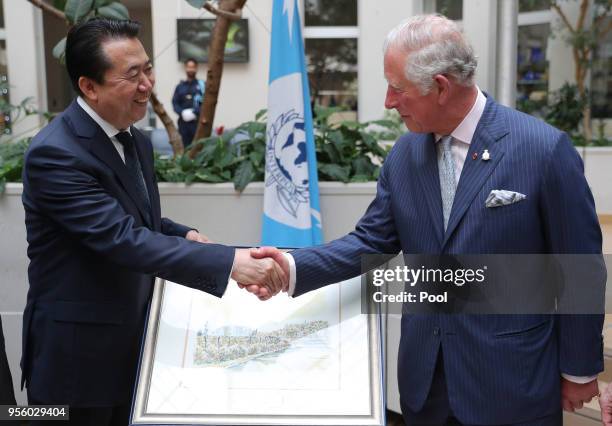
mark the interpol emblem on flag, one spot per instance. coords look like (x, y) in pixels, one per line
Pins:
(286, 161)
(291, 199)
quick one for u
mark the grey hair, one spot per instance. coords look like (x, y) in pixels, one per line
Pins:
(434, 45)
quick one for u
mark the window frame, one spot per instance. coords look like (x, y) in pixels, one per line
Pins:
(333, 32)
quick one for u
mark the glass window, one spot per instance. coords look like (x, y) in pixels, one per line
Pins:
(532, 68)
(601, 78)
(331, 13)
(452, 9)
(332, 71)
(533, 5)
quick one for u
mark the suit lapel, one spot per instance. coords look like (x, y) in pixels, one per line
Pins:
(101, 146)
(430, 181)
(489, 131)
(148, 173)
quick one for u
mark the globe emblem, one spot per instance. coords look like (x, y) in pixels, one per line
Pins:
(287, 163)
(291, 154)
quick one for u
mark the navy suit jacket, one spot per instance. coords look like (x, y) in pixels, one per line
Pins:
(93, 259)
(499, 368)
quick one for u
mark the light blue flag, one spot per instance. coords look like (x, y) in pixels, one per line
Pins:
(292, 215)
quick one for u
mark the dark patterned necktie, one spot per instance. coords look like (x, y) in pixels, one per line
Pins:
(132, 165)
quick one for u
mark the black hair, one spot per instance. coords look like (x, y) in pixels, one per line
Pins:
(186, 61)
(84, 54)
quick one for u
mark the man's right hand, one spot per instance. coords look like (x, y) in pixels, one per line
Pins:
(575, 395)
(261, 276)
(270, 253)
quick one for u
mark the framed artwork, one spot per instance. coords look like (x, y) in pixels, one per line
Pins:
(310, 360)
(194, 35)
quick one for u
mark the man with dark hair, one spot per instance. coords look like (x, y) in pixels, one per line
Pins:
(96, 236)
(187, 100)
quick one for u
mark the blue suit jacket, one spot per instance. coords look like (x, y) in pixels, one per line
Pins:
(499, 368)
(93, 259)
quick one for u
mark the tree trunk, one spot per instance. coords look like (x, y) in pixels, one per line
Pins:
(215, 70)
(586, 123)
(580, 58)
(173, 135)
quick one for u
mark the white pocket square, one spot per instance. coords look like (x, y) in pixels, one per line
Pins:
(502, 197)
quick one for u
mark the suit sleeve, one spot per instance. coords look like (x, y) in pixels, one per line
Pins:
(63, 189)
(572, 228)
(341, 259)
(169, 227)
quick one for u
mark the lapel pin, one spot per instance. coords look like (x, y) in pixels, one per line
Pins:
(485, 155)
(474, 156)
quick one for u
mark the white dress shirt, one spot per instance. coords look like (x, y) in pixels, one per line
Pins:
(464, 132)
(110, 130)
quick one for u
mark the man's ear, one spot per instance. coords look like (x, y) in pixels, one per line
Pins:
(443, 87)
(88, 88)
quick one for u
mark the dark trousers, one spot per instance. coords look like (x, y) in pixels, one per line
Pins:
(437, 410)
(187, 131)
(7, 394)
(88, 416)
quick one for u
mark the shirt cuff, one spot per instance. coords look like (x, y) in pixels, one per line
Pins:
(292, 277)
(578, 379)
(229, 278)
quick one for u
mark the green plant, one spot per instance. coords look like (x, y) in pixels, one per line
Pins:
(12, 147)
(219, 160)
(529, 106)
(15, 113)
(349, 151)
(566, 107)
(11, 161)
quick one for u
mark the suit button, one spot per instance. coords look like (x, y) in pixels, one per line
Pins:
(436, 331)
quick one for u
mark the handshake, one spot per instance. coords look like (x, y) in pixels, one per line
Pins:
(262, 271)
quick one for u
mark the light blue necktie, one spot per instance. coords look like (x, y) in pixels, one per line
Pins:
(446, 168)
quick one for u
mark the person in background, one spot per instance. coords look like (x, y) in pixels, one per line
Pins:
(186, 101)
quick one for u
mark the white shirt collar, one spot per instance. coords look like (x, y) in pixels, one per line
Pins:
(107, 128)
(464, 132)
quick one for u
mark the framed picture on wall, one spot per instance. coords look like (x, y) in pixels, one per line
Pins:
(310, 360)
(194, 35)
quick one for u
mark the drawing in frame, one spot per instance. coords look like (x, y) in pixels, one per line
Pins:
(194, 35)
(310, 360)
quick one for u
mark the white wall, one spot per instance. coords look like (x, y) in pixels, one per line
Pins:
(480, 28)
(244, 87)
(376, 19)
